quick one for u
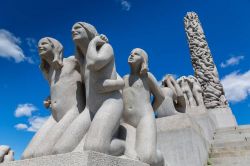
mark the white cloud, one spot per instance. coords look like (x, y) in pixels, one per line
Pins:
(25, 110)
(236, 86)
(32, 44)
(21, 126)
(36, 123)
(126, 5)
(235, 60)
(10, 47)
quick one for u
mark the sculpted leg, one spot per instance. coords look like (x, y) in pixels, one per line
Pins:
(103, 126)
(129, 134)
(35, 143)
(146, 147)
(46, 146)
(74, 133)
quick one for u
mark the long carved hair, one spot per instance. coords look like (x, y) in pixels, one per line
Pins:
(58, 55)
(144, 65)
(91, 31)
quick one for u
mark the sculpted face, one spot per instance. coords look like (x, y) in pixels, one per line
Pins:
(79, 32)
(45, 49)
(135, 57)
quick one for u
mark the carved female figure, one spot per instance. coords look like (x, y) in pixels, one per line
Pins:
(66, 97)
(138, 111)
(104, 104)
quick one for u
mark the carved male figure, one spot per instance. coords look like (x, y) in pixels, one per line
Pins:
(138, 111)
(101, 116)
(66, 101)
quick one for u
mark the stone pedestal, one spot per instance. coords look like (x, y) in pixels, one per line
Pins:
(223, 117)
(87, 158)
(182, 138)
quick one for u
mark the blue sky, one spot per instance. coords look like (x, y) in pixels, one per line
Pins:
(156, 26)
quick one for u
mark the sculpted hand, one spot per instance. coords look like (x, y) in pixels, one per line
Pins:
(104, 37)
(100, 40)
(47, 103)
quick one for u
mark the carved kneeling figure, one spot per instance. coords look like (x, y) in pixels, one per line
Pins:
(138, 112)
(66, 97)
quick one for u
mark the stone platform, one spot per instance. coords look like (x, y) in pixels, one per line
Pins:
(87, 158)
(184, 139)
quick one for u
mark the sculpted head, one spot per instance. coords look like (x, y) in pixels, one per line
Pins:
(51, 53)
(83, 32)
(167, 78)
(182, 80)
(139, 57)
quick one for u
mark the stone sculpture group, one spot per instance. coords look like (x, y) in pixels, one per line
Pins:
(93, 108)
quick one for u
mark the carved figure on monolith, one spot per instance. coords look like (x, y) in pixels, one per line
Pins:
(95, 127)
(174, 101)
(67, 98)
(138, 111)
(6, 154)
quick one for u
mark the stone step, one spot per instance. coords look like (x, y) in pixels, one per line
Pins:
(227, 129)
(230, 153)
(230, 137)
(230, 161)
(228, 144)
(229, 141)
(245, 128)
(233, 131)
(243, 146)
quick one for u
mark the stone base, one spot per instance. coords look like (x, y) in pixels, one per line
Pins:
(87, 158)
(205, 121)
(182, 140)
(223, 117)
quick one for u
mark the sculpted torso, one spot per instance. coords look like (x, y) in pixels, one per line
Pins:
(136, 98)
(65, 86)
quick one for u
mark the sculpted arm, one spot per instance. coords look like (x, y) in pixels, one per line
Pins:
(155, 90)
(100, 53)
(111, 85)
